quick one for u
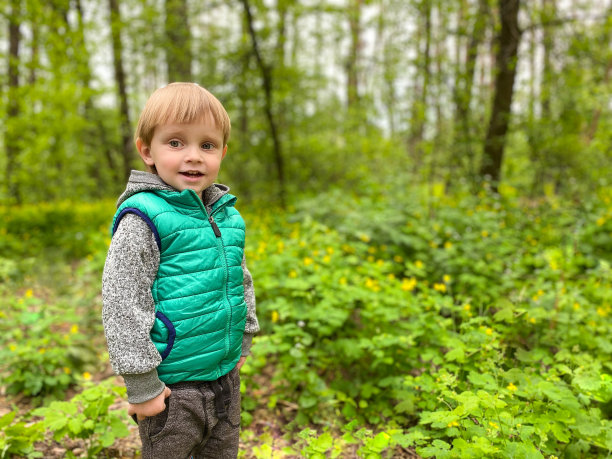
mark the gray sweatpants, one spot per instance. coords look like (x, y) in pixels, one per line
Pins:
(193, 423)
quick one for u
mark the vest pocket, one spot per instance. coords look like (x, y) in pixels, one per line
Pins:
(171, 334)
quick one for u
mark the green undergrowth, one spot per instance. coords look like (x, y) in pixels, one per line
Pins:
(457, 326)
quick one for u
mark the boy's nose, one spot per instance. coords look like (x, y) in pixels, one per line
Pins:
(193, 155)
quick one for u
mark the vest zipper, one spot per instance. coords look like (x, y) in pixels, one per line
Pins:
(215, 228)
(217, 232)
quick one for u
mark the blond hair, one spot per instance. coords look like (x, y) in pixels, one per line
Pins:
(181, 103)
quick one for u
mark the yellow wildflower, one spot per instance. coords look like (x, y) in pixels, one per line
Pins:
(364, 238)
(342, 281)
(308, 261)
(372, 284)
(12, 347)
(380, 262)
(42, 350)
(439, 287)
(326, 259)
(67, 370)
(371, 249)
(274, 316)
(484, 233)
(74, 329)
(467, 307)
(293, 274)
(418, 264)
(29, 293)
(489, 331)
(532, 320)
(87, 376)
(453, 424)
(448, 245)
(408, 285)
(347, 248)
(601, 221)
(330, 250)
(492, 424)
(576, 306)
(446, 278)
(602, 312)
(511, 387)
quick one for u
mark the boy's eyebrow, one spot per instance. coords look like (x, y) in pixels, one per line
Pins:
(178, 132)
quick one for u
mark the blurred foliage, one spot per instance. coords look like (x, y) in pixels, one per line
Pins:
(65, 141)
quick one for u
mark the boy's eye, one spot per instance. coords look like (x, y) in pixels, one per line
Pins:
(207, 146)
(174, 143)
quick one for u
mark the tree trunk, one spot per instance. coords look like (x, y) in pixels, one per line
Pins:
(266, 78)
(125, 126)
(549, 12)
(420, 103)
(464, 83)
(506, 64)
(352, 70)
(592, 129)
(11, 136)
(178, 41)
(97, 135)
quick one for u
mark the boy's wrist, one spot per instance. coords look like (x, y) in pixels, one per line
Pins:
(247, 339)
(143, 387)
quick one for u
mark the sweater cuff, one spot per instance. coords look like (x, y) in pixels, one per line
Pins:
(143, 387)
(247, 339)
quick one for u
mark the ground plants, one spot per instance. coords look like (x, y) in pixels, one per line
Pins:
(87, 416)
(479, 324)
(459, 326)
(43, 349)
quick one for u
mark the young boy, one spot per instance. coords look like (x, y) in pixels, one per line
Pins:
(178, 300)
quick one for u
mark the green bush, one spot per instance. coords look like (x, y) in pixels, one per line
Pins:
(42, 349)
(87, 416)
(483, 321)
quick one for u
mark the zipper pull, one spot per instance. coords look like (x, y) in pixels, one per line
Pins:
(214, 226)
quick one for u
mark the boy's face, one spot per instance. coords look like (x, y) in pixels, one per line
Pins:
(186, 156)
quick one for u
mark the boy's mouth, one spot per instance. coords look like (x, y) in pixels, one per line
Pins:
(191, 173)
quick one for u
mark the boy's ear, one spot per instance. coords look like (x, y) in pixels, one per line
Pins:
(145, 152)
(224, 152)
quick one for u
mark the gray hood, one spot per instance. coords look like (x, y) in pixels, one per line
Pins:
(146, 181)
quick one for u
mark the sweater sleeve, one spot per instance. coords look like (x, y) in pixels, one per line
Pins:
(128, 309)
(252, 325)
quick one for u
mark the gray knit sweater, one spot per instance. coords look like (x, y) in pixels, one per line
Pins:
(128, 309)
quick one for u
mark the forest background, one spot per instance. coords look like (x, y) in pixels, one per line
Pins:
(426, 186)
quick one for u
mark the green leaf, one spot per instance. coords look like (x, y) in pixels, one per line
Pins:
(483, 380)
(118, 427)
(107, 439)
(380, 442)
(504, 315)
(457, 354)
(560, 432)
(7, 419)
(75, 425)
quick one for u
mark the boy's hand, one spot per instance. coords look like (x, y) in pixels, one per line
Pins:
(241, 362)
(150, 407)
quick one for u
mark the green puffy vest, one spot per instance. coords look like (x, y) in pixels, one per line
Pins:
(200, 311)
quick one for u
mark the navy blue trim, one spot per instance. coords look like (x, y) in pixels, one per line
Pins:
(171, 333)
(145, 217)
